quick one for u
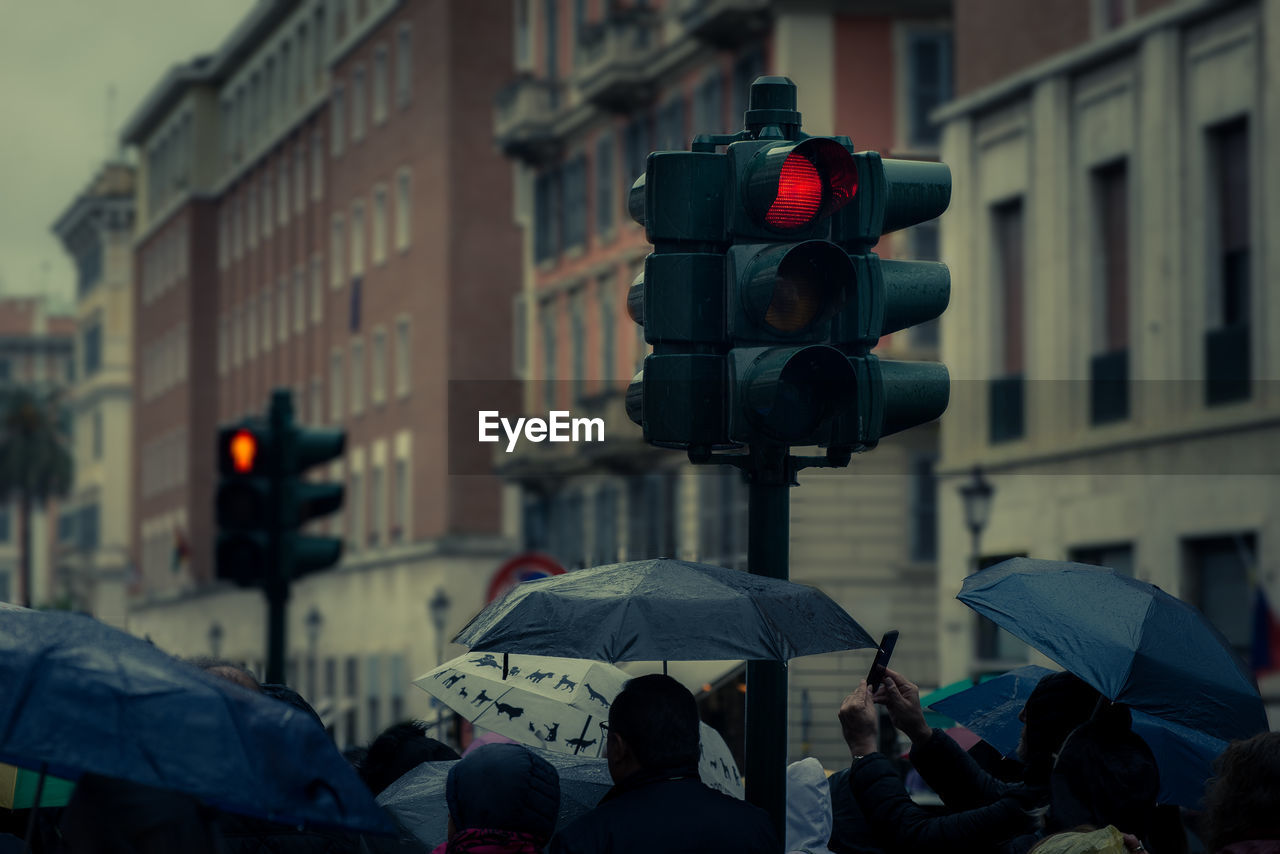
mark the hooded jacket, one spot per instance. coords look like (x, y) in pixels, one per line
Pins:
(808, 808)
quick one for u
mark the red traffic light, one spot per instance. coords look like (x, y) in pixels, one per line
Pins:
(243, 450)
(790, 186)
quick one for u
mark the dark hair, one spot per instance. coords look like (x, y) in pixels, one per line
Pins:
(1105, 774)
(228, 670)
(399, 748)
(504, 787)
(1059, 703)
(658, 719)
(287, 695)
(1240, 802)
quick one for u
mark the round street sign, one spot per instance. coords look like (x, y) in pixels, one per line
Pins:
(528, 566)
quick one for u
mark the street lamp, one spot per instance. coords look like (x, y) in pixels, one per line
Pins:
(438, 611)
(314, 622)
(215, 640)
(977, 494)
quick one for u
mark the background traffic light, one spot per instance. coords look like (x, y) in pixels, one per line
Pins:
(243, 506)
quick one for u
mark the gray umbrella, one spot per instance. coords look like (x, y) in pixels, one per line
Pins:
(664, 609)
(417, 799)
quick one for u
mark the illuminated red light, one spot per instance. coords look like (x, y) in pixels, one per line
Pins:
(244, 451)
(799, 194)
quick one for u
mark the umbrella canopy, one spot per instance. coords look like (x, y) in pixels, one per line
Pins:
(78, 696)
(664, 609)
(560, 705)
(1132, 641)
(417, 799)
(1184, 756)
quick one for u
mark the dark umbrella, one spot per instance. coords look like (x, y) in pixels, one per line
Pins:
(77, 696)
(1132, 641)
(1184, 756)
(664, 609)
(417, 799)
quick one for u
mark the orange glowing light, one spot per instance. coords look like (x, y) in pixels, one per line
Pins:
(244, 451)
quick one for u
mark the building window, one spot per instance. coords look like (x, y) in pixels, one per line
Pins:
(1110, 14)
(605, 545)
(335, 387)
(268, 221)
(1109, 361)
(1227, 362)
(746, 69)
(251, 323)
(574, 207)
(400, 500)
(357, 377)
(546, 202)
(378, 386)
(377, 505)
(651, 516)
(252, 225)
(237, 336)
(380, 85)
(358, 106)
(672, 135)
(403, 357)
(357, 239)
(317, 289)
(639, 144)
(1218, 582)
(922, 243)
(404, 66)
(337, 271)
(549, 338)
(373, 695)
(282, 309)
(578, 342)
(379, 224)
(994, 644)
(97, 433)
(550, 39)
(299, 177)
(351, 731)
(708, 105)
(357, 512)
(299, 301)
(404, 208)
(282, 194)
(267, 335)
(224, 345)
(91, 343)
(608, 328)
(924, 509)
(604, 185)
(567, 526)
(1117, 557)
(722, 512)
(317, 167)
(524, 36)
(1006, 398)
(337, 120)
(928, 84)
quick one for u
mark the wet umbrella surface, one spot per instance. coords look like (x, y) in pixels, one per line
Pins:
(78, 696)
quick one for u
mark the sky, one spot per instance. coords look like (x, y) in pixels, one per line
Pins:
(59, 60)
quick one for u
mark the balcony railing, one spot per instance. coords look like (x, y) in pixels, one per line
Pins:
(615, 60)
(524, 117)
(724, 23)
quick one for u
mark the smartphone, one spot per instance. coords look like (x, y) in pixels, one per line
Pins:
(876, 675)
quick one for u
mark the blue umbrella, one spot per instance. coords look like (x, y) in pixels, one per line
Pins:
(1185, 756)
(1132, 641)
(77, 696)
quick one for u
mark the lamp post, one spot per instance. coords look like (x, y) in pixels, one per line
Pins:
(314, 622)
(215, 640)
(438, 611)
(977, 494)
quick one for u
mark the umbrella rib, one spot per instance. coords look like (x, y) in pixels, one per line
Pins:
(1133, 659)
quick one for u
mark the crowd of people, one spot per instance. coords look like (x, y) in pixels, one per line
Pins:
(1083, 782)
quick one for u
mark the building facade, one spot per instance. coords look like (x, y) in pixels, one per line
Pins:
(336, 183)
(598, 86)
(95, 524)
(1110, 339)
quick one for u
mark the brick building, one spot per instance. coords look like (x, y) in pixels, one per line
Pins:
(601, 84)
(317, 212)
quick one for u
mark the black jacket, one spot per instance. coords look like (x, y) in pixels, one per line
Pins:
(900, 825)
(669, 811)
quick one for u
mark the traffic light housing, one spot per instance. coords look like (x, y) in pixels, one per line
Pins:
(264, 499)
(762, 298)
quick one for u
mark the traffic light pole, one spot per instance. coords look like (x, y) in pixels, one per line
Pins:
(770, 475)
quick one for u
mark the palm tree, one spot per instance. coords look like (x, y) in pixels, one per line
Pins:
(35, 463)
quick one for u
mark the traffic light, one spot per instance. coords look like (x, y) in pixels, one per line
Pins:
(264, 499)
(762, 299)
(244, 506)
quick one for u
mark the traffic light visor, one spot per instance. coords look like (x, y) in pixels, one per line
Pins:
(791, 392)
(791, 185)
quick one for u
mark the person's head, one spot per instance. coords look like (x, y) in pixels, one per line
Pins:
(653, 723)
(504, 787)
(397, 750)
(1242, 800)
(1105, 774)
(1060, 703)
(228, 670)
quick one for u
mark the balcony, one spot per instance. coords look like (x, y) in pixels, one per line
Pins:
(615, 59)
(724, 23)
(524, 118)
